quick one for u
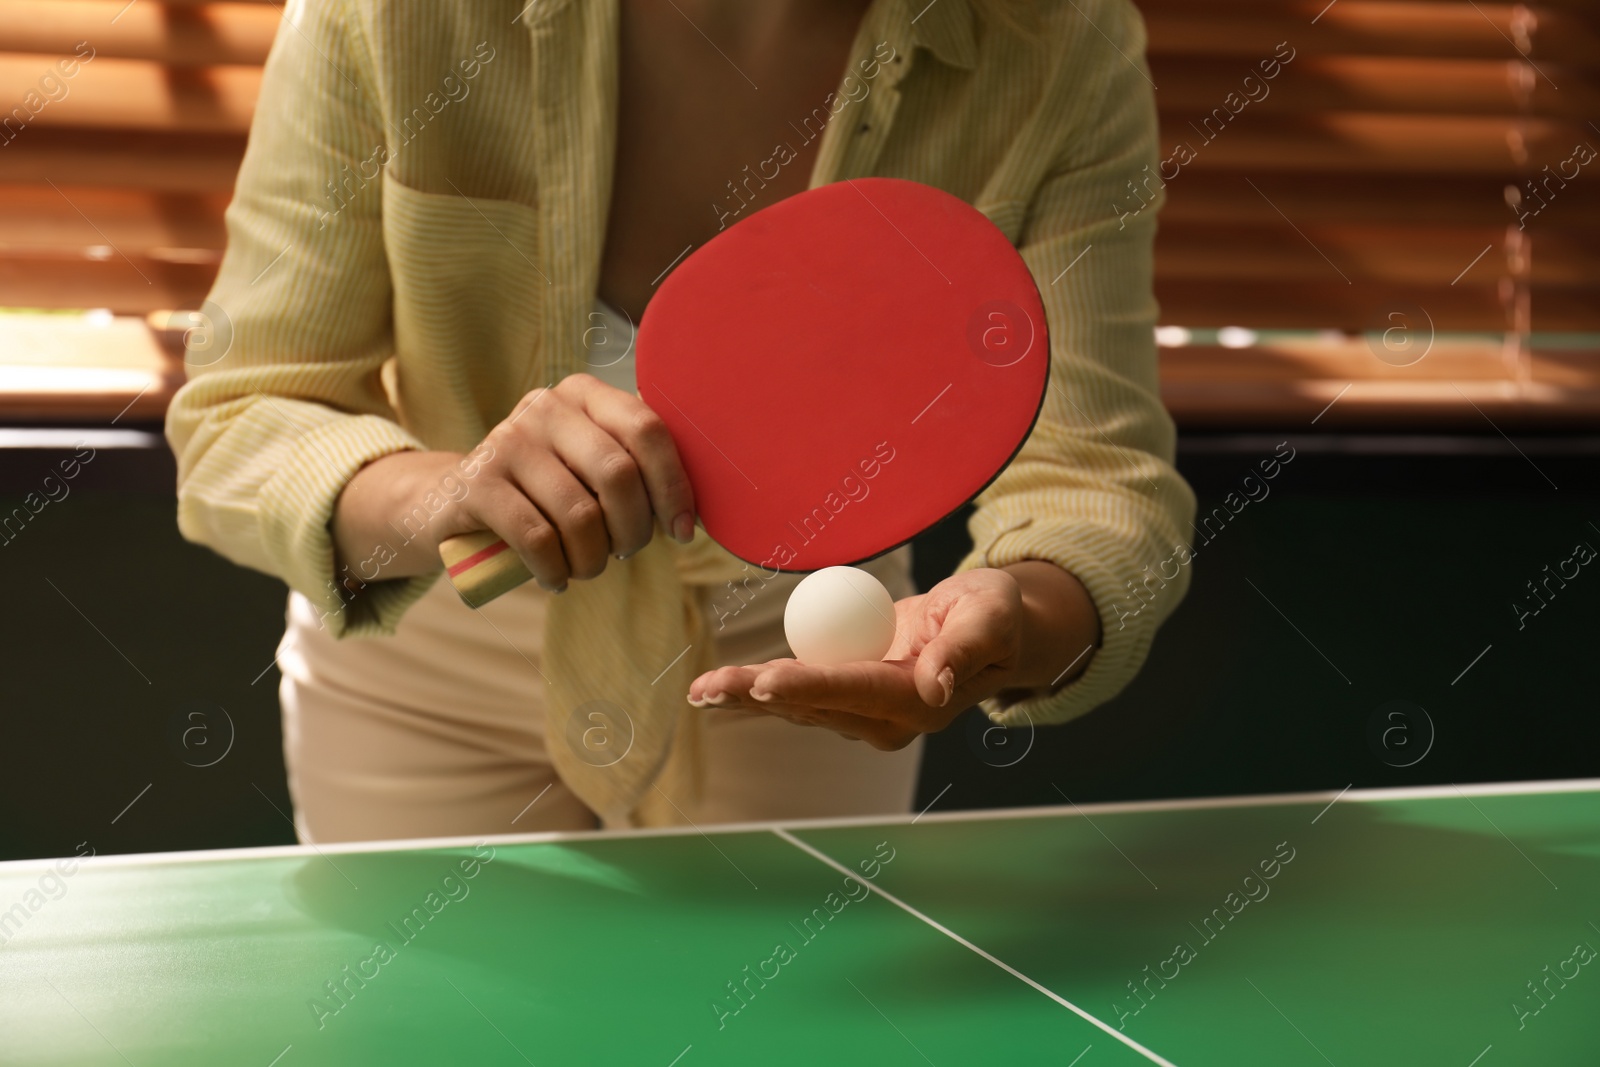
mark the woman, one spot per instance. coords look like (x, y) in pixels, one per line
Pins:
(447, 220)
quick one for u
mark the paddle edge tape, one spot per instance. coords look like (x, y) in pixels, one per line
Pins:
(481, 566)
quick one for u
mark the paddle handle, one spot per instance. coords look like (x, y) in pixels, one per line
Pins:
(481, 566)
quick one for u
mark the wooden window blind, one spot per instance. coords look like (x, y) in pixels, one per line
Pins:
(1395, 188)
(1375, 172)
(122, 126)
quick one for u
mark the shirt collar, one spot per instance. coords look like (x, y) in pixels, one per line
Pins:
(944, 27)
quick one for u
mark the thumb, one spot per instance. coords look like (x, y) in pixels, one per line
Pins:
(969, 639)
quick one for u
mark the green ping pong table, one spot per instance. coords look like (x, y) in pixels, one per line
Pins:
(1453, 926)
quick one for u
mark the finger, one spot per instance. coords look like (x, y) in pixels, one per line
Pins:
(530, 400)
(611, 474)
(911, 626)
(502, 506)
(723, 687)
(643, 433)
(969, 640)
(568, 507)
(880, 689)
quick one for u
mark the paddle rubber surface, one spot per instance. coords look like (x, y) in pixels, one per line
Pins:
(845, 368)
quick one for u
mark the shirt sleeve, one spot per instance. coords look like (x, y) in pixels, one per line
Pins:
(287, 403)
(1094, 489)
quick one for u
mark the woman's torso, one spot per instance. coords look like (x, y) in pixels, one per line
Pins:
(691, 123)
(690, 120)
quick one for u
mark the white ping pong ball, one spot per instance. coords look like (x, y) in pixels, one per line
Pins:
(839, 615)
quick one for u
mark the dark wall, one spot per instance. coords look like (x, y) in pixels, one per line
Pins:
(116, 634)
(1373, 571)
(1327, 638)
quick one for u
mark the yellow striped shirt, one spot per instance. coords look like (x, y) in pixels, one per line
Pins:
(415, 242)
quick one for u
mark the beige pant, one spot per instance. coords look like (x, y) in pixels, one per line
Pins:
(438, 730)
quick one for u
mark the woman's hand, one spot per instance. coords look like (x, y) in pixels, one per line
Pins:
(575, 474)
(976, 634)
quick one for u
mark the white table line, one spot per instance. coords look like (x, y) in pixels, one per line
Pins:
(958, 939)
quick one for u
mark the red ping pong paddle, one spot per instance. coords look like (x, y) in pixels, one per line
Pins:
(839, 372)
